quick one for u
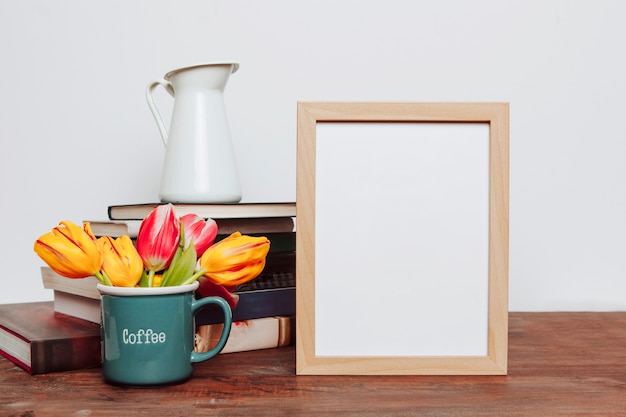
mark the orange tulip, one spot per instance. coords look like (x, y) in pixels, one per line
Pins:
(235, 260)
(121, 261)
(70, 250)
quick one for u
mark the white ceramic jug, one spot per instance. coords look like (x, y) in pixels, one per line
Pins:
(199, 164)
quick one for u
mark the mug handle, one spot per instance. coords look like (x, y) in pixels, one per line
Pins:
(228, 321)
(153, 108)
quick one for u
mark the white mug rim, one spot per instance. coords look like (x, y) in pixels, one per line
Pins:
(146, 291)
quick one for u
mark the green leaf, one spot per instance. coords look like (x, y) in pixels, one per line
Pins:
(143, 282)
(181, 268)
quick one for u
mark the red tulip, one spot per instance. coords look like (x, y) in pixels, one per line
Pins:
(199, 231)
(208, 289)
(158, 238)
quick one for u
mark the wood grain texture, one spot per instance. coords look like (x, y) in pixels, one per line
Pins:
(498, 233)
(560, 364)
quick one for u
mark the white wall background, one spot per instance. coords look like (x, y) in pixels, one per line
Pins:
(76, 133)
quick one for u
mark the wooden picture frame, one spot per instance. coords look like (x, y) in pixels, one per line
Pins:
(402, 242)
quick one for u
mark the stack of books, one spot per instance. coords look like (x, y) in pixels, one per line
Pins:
(263, 318)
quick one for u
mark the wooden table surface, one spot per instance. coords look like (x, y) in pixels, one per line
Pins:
(560, 364)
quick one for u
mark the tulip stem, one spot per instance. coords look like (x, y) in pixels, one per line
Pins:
(150, 278)
(195, 276)
(103, 278)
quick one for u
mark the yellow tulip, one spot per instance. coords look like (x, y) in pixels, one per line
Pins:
(70, 251)
(235, 260)
(120, 261)
(156, 282)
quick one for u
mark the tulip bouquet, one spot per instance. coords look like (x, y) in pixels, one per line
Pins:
(169, 251)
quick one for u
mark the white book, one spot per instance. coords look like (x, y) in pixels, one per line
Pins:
(263, 333)
(77, 306)
(253, 225)
(85, 287)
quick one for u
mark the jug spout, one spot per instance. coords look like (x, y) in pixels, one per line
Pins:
(199, 165)
(211, 76)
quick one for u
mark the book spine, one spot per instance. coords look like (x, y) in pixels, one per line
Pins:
(254, 305)
(279, 241)
(85, 287)
(247, 226)
(65, 354)
(239, 210)
(264, 333)
(277, 262)
(77, 306)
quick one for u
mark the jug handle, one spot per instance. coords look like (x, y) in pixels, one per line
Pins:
(152, 104)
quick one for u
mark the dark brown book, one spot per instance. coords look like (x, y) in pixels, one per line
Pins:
(214, 211)
(40, 340)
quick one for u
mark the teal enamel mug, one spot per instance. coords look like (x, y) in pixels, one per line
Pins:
(148, 333)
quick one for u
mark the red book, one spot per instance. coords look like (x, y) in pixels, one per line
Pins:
(40, 340)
